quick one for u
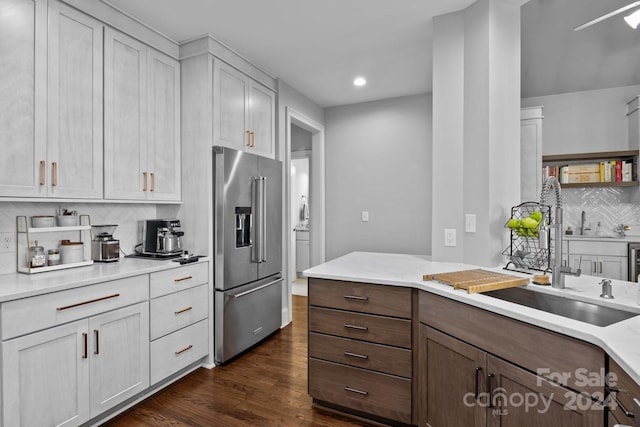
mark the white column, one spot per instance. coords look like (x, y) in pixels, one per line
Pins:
(476, 134)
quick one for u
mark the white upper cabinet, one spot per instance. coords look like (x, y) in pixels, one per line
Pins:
(51, 107)
(23, 81)
(74, 134)
(142, 121)
(243, 110)
(530, 154)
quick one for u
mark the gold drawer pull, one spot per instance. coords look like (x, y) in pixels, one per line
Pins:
(355, 297)
(359, 328)
(42, 172)
(183, 310)
(144, 185)
(359, 356)
(66, 307)
(54, 181)
(183, 278)
(153, 181)
(355, 390)
(189, 347)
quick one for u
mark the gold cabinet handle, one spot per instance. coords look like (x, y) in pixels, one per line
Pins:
(189, 347)
(42, 172)
(183, 278)
(95, 331)
(153, 181)
(183, 310)
(66, 307)
(85, 339)
(54, 181)
(144, 185)
(248, 139)
(253, 138)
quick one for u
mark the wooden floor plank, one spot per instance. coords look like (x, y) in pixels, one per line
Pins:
(266, 386)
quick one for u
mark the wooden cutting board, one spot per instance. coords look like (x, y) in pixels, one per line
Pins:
(478, 280)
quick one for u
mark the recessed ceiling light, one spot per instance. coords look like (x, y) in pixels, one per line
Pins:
(359, 81)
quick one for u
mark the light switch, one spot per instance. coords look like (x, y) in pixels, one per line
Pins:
(449, 236)
(470, 223)
(365, 216)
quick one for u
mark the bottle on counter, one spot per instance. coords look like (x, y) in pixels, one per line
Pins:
(36, 256)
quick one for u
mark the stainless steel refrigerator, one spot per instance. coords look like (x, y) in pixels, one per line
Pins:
(247, 241)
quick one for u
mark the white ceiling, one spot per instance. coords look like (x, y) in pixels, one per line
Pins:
(318, 47)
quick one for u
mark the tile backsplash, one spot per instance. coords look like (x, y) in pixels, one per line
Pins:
(128, 217)
(610, 206)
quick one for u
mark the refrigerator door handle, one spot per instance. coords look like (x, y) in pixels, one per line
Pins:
(240, 295)
(260, 203)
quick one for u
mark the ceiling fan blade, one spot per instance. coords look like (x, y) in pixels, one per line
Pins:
(608, 15)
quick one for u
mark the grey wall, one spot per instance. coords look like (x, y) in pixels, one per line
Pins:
(584, 122)
(378, 159)
(300, 139)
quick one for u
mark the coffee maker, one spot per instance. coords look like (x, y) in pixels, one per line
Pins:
(162, 237)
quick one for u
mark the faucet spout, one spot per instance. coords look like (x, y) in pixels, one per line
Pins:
(558, 270)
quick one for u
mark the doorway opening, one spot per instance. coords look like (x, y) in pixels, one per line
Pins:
(305, 199)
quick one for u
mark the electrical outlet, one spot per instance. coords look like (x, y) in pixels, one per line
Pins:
(365, 216)
(6, 243)
(449, 236)
(470, 223)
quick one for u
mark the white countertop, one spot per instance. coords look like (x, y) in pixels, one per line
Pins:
(18, 285)
(620, 340)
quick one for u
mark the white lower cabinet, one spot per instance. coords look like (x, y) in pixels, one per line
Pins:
(68, 374)
(602, 259)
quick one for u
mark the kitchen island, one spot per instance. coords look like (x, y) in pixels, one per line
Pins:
(613, 345)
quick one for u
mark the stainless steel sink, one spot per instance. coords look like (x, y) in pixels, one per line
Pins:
(578, 310)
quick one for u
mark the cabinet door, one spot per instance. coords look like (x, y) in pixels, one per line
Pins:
(23, 79)
(74, 140)
(46, 377)
(262, 119)
(454, 374)
(163, 107)
(230, 109)
(125, 127)
(530, 154)
(587, 263)
(520, 399)
(612, 267)
(119, 354)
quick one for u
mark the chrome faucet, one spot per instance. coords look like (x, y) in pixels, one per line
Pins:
(583, 218)
(558, 270)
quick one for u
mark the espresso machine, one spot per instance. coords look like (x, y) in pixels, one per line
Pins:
(162, 238)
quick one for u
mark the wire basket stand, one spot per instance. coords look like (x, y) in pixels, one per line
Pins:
(524, 251)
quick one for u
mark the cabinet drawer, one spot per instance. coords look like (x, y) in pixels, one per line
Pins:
(361, 297)
(528, 346)
(27, 315)
(366, 327)
(177, 279)
(374, 393)
(627, 390)
(375, 357)
(178, 350)
(172, 312)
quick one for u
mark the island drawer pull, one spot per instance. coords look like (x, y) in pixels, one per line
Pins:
(189, 347)
(477, 388)
(359, 356)
(183, 310)
(355, 297)
(359, 328)
(183, 279)
(612, 392)
(355, 390)
(66, 307)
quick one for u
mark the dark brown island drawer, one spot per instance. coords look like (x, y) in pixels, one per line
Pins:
(625, 390)
(376, 357)
(386, 300)
(378, 394)
(366, 327)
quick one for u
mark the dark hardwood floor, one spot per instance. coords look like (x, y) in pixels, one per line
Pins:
(264, 387)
